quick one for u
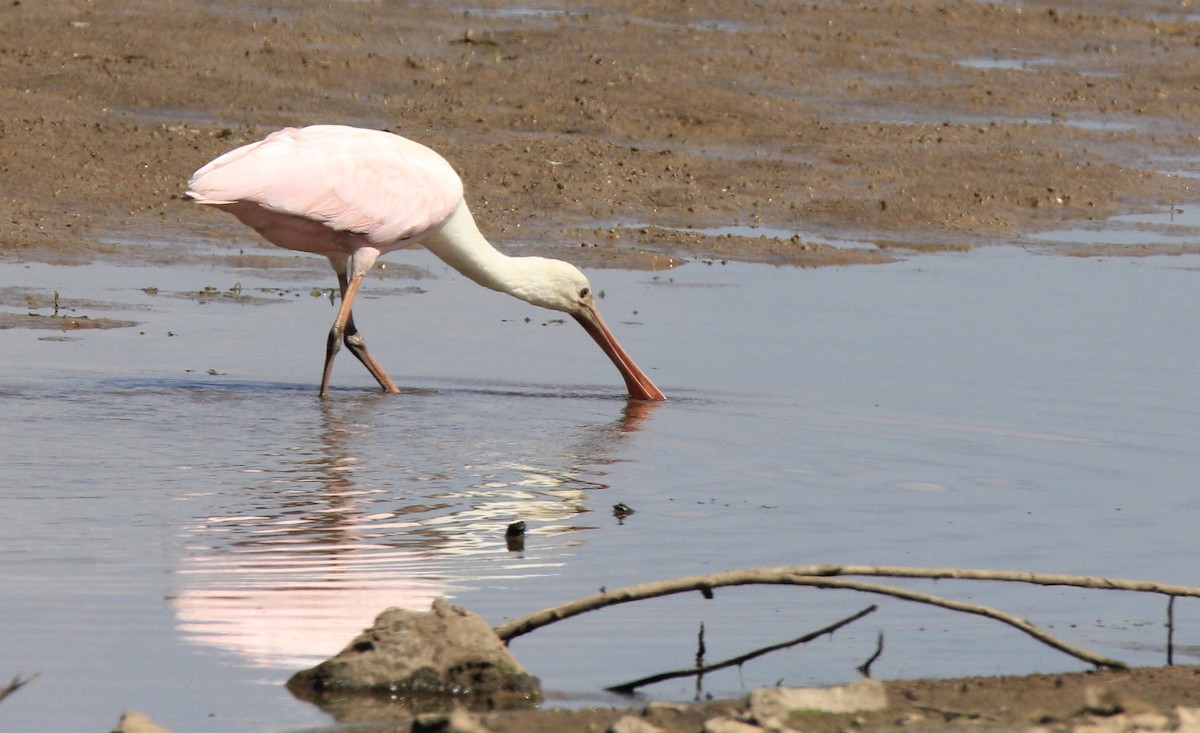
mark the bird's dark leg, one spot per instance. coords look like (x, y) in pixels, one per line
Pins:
(345, 331)
(334, 341)
(354, 341)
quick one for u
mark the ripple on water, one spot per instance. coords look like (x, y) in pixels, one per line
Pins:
(989, 408)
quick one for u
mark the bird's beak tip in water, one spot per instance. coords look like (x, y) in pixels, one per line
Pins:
(639, 385)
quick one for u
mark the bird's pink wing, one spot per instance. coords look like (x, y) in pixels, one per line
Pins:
(381, 186)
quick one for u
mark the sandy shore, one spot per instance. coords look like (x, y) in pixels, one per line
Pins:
(601, 133)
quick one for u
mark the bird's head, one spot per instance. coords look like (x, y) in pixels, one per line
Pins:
(561, 286)
(556, 285)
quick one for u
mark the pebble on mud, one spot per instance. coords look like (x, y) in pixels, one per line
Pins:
(730, 725)
(447, 652)
(632, 724)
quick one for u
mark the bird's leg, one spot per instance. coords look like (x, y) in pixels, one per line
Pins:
(345, 331)
(334, 341)
(354, 341)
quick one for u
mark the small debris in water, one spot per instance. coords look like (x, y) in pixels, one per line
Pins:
(514, 537)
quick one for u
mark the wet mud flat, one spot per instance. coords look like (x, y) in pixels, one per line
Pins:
(1034, 702)
(616, 133)
(631, 135)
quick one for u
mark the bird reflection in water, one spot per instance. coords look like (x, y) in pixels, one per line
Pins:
(327, 538)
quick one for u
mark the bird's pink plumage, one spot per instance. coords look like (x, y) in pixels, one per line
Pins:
(363, 186)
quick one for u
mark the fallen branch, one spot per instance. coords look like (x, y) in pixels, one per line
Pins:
(865, 668)
(1171, 631)
(1005, 576)
(972, 608)
(822, 576)
(626, 688)
(16, 683)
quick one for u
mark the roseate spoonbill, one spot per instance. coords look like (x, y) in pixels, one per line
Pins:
(352, 195)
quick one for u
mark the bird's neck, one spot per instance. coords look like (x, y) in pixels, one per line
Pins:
(458, 242)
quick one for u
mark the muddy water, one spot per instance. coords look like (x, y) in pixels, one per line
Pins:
(186, 524)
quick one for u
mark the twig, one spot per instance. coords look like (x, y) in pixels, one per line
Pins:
(626, 688)
(1001, 616)
(1171, 631)
(1007, 576)
(865, 668)
(16, 684)
(783, 575)
(821, 576)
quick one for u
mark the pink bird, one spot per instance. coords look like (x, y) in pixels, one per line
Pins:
(353, 195)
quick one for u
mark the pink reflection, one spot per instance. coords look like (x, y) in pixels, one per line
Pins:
(294, 616)
(306, 558)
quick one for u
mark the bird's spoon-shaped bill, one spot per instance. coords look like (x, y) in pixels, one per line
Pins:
(639, 385)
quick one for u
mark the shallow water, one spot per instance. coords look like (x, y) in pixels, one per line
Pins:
(179, 541)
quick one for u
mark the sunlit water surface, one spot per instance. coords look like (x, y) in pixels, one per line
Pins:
(185, 524)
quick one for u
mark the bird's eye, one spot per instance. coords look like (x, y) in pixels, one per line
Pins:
(583, 293)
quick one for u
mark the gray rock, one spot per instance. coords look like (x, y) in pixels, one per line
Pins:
(446, 652)
(134, 722)
(777, 703)
(729, 725)
(1189, 719)
(632, 724)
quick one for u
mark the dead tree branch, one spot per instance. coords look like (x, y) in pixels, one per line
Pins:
(822, 576)
(16, 684)
(972, 608)
(865, 668)
(1171, 631)
(626, 688)
(1006, 576)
